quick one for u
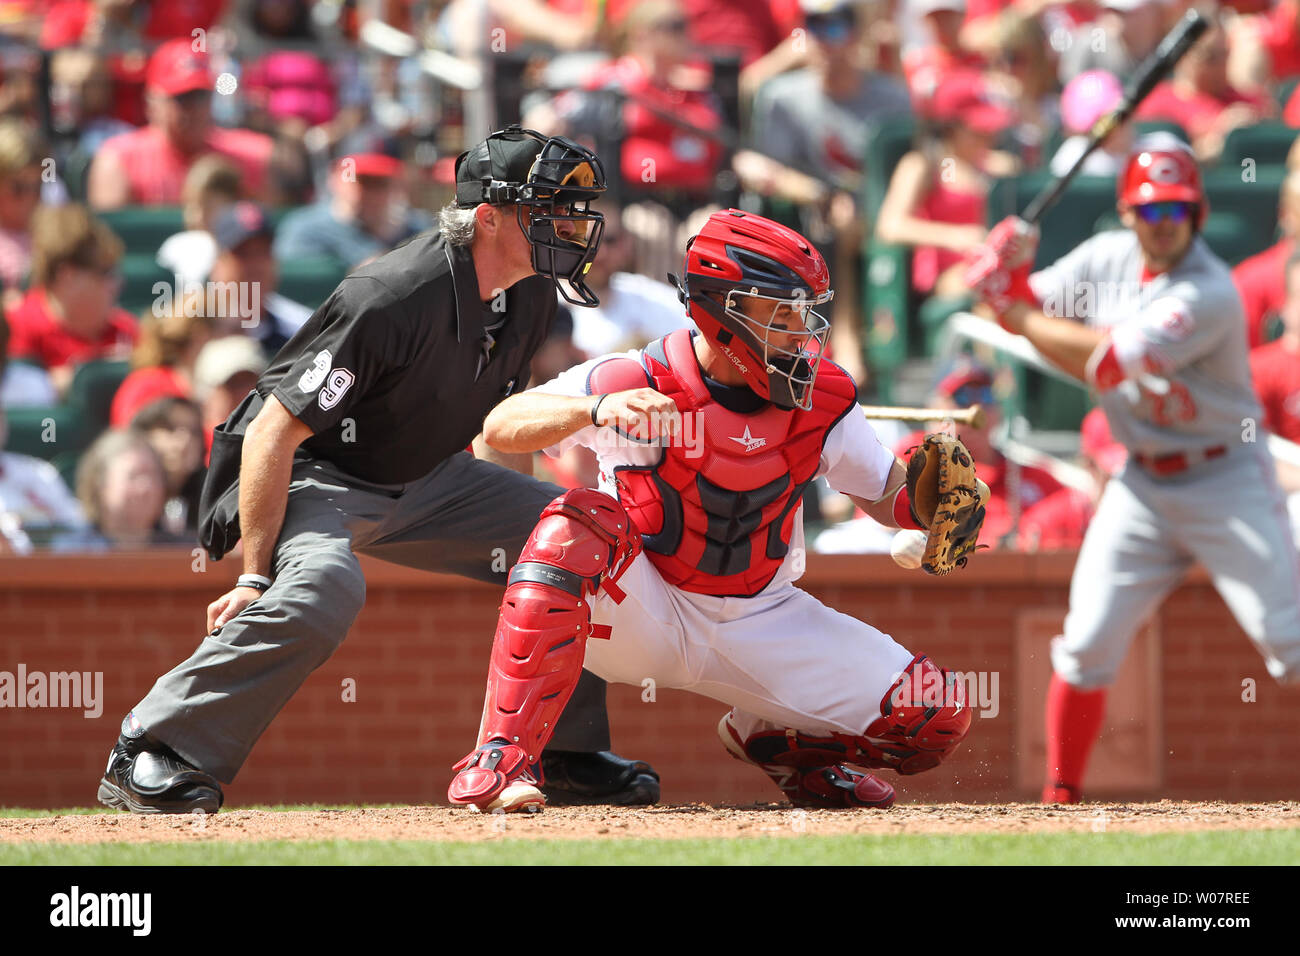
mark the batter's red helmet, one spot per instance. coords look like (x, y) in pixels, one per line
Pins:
(741, 260)
(1162, 168)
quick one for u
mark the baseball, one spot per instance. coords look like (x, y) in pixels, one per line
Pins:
(907, 549)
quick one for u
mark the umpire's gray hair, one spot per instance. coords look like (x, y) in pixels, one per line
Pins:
(457, 224)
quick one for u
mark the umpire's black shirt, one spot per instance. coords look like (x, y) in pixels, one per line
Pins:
(392, 373)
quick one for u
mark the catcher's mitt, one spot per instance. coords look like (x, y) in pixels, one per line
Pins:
(946, 500)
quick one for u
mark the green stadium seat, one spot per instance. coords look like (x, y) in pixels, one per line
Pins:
(932, 315)
(888, 141)
(310, 281)
(60, 433)
(1283, 91)
(1143, 127)
(1252, 200)
(1266, 143)
(140, 274)
(142, 229)
(887, 309)
(91, 394)
(1052, 405)
(1067, 223)
(40, 431)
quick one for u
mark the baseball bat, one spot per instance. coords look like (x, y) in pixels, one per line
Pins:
(1152, 70)
(973, 416)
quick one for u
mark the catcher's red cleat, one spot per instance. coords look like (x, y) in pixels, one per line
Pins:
(496, 778)
(806, 784)
(1061, 793)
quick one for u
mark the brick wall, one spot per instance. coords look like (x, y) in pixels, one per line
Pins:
(1178, 725)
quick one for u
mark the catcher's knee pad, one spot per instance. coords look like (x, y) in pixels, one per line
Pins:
(583, 542)
(924, 719)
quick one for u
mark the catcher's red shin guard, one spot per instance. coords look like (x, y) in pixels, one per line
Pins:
(583, 542)
(925, 719)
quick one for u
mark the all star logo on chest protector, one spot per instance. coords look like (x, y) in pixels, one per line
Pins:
(749, 442)
(720, 522)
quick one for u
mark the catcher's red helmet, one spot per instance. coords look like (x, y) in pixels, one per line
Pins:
(741, 263)
(1162, 168)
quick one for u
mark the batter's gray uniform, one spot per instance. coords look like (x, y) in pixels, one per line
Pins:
(1175, 384)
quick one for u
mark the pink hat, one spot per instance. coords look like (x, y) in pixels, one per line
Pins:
(1087, 98)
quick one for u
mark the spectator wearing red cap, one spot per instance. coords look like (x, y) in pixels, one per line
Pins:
(673, 163)
(928, 65)
(148, 166)
(1200, 99)
(70, 316)
(1058, 522)
(1014, 488)
(363, 215)
(936, 197)
(1261, 279)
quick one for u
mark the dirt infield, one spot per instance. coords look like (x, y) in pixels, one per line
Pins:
(664, 822)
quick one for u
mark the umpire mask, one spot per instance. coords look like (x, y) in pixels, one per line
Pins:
(551, 182)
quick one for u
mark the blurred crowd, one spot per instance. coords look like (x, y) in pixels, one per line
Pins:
(233, 145)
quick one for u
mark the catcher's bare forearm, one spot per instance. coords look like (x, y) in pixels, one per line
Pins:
(265, 467)
(531, 421)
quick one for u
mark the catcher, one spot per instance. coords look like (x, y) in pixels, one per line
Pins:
(682, 567)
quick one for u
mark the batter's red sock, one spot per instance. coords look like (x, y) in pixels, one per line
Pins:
(1073, 721)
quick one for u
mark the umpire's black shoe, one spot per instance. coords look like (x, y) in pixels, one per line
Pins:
(574, 778)
(144, 775)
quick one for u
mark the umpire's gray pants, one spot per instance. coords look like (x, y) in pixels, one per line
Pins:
(212, 708)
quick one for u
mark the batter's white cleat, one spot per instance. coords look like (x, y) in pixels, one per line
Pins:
(496, 778)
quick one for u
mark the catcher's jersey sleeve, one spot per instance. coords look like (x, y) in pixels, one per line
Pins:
(854, 462)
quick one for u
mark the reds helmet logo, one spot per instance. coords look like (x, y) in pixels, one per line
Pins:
(1164, 170)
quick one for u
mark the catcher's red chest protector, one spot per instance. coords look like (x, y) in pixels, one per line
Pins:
(716, 518)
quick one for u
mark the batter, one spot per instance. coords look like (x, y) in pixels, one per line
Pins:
(1149, 317)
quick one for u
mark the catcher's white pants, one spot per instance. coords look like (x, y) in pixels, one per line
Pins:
(780, 658)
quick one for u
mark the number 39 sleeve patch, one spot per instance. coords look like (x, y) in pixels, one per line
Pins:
(335, 387)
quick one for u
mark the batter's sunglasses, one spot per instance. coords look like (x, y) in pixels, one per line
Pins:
(1153, 212)
(831, 27)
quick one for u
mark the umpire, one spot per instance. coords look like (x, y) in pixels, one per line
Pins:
(353, 442)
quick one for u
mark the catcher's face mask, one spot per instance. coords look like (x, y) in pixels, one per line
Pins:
(552, 183)
(753, 288)
(786, 334)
